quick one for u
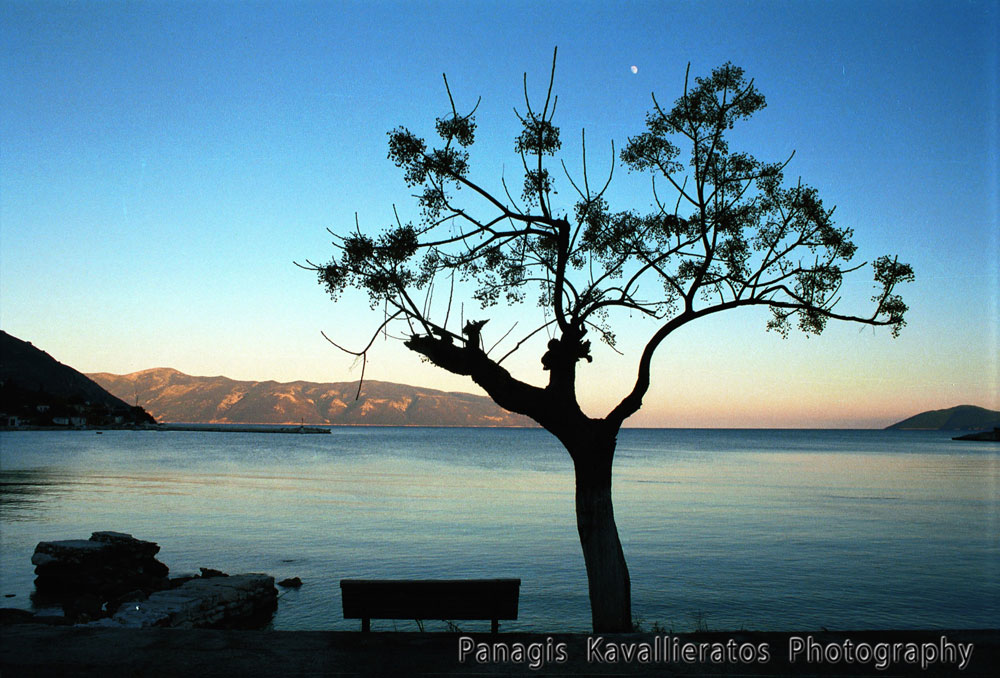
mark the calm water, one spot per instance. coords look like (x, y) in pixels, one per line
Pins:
(730, 529)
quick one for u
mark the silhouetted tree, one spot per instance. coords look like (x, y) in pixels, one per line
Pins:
(732, 235)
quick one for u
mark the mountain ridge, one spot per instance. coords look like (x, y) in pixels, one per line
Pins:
(173, 396)
(958, 418)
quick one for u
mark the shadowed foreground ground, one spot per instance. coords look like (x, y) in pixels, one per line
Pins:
(37, 650)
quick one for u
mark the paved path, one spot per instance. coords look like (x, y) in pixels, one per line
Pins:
(37, 650)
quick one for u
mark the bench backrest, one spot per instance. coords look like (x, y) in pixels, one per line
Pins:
(430, 598)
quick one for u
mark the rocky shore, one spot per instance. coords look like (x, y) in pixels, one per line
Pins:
(114, 580)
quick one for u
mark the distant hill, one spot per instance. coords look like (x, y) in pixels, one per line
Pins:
(35, 387)
(961, 418)
(173, 396)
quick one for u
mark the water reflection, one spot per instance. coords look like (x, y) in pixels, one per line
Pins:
(766, 529)
(27, 494)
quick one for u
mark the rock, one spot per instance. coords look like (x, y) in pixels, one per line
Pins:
(84, 608)
(136, 596)
(290, 583)
(208, 573)
(113, 579)
(237, 601)
(993, 435)
(10, 615)
(83, 575)
(109, 537)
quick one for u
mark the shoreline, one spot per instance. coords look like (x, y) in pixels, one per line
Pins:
(31, 649)
(207, 428)
(258, 428)
(244, 428)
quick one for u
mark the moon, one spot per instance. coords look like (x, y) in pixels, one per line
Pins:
(634, 69)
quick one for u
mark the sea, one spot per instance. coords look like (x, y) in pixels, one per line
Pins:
(722, 529)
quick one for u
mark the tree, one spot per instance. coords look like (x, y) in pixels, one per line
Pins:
(732, 236)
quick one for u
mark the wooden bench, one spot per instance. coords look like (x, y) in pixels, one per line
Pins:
(445, 599)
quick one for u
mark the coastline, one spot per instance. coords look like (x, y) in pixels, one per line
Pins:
(31, 650)
(205, 428)
(239, 428)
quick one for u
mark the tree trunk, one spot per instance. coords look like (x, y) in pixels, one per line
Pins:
(591, 444)
(607, 573)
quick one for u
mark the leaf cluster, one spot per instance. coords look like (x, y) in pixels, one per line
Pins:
(727, 230)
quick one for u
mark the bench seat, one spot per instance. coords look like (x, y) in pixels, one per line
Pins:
(445, 599)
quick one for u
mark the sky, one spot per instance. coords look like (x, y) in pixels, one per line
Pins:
(163, 164)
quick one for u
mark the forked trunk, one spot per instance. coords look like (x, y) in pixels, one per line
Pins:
(607, 573)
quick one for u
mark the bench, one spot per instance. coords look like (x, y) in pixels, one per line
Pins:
(445, 599)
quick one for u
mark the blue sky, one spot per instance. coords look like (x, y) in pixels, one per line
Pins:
(162, 164)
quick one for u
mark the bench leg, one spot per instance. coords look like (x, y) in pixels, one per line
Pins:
(366, 625)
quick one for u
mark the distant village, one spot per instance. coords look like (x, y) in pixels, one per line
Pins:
(37, 391)
(22, 409)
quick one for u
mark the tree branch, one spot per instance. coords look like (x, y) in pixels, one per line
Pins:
(471, 361)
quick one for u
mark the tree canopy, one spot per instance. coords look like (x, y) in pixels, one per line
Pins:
(734, 233)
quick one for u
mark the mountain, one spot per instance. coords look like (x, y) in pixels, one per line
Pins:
(173, 396)
(35, 387)
(961, 418)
